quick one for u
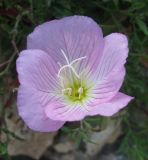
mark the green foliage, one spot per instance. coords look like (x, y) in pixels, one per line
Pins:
(134, 144)
(80, 133)
(18, 18)
(3, 151)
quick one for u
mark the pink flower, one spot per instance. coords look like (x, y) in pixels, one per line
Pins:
(69, 71)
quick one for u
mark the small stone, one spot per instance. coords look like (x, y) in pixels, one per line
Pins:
(33, 144)
(108, 135)
(108, 157)
(112, 157)
(68, 157)
(33, 147)
(64, 147)
(81, 156)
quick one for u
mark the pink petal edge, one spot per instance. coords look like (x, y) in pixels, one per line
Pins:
(110, 73)
(30, 104)
(77, 36)
(58, 111)
(36, 69)
(111, 107)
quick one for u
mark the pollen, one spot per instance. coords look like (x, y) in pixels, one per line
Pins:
(75, 92)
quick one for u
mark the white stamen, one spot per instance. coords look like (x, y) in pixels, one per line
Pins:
(80, 91)
(78, 59)
(65, 56)
(69, 91)
(69, 66)
(74, 72)
(63, 67)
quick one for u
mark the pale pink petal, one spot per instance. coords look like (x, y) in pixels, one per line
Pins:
(31, 104)
(77, 36)
(61, 112)
(58, 111)
(37, 70)
(110, 72)
(111, 107)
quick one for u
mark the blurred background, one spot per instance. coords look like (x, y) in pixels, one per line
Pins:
(121, 137)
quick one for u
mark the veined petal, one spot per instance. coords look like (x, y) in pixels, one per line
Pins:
(61, 112)
(111, 107)
(76, 36)
(110, 72)
(31, 104)
(37, 70)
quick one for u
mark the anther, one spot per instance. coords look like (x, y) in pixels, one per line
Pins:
(80, 91)
(69, 91)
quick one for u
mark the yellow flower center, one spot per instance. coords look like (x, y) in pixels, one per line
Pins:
(75, 92)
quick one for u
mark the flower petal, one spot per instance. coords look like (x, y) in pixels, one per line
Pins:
(37, 70)
(110, 72)
(31, 104)
(111, 107)
(58, 111)
(77, 36)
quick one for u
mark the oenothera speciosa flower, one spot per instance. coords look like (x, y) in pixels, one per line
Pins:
(70, 71)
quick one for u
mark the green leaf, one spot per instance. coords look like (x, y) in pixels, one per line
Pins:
(3, 149)
(142, 26)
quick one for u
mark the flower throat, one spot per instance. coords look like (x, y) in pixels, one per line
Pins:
(73, 88)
